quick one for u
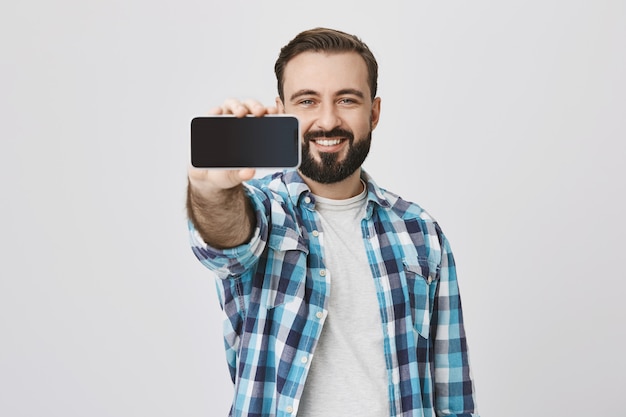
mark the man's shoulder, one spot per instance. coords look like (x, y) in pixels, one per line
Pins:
(404, 208)
(279, 185)
(278, 193)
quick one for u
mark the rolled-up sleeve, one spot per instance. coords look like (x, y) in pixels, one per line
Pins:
(235, 261)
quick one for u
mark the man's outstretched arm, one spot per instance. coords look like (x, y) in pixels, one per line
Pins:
(223, 217)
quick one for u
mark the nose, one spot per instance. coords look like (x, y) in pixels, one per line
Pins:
(327, 118)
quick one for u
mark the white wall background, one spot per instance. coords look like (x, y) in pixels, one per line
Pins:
(505, 120)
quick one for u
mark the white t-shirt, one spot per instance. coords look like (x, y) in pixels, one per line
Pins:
(347, 375)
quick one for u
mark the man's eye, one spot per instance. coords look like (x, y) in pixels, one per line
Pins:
(306, 102)
(347, 101)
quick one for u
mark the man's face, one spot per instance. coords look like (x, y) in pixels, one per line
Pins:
(330, 95)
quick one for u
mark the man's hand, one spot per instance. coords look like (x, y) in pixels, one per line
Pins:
(206, 181)
(216, 202)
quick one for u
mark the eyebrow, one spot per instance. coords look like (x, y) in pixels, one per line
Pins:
(303, 93)
(351, 91)
(342, 92)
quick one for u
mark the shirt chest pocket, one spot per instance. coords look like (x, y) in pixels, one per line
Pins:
(419, 278)
(285, 271)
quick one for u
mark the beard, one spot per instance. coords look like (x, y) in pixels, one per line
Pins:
(330, 170)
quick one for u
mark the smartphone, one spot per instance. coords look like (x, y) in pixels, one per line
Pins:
(271, 141)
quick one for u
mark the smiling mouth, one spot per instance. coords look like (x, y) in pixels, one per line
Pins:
(328, 142)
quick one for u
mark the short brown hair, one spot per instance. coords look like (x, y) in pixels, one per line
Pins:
(326, 40)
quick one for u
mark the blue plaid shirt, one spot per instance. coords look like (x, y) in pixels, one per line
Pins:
(274, 294)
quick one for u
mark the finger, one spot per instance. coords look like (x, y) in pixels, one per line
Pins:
(246, 174)
(235, 107)
(215, 111)
(255, 107)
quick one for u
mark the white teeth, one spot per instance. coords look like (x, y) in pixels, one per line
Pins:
(328, 142)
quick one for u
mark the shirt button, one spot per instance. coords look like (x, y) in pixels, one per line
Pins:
(315, 233)
(289, 409)
(319, 314)
(304, 359)
(307, 200)
(323, 272)
(395, 378)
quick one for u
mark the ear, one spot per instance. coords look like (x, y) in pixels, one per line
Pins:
(280, 106)
(375, 115)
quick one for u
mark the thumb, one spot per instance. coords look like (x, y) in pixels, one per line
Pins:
(246, 174)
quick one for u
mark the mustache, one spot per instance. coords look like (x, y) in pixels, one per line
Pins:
(336, 132)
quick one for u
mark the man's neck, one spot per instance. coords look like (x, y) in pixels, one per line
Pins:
(342, 190)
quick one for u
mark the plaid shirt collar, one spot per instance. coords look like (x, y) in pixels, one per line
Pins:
(298, 189)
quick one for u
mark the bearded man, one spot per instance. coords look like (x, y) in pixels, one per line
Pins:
(340, 297)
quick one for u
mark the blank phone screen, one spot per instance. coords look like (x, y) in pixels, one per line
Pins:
(248, 142)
